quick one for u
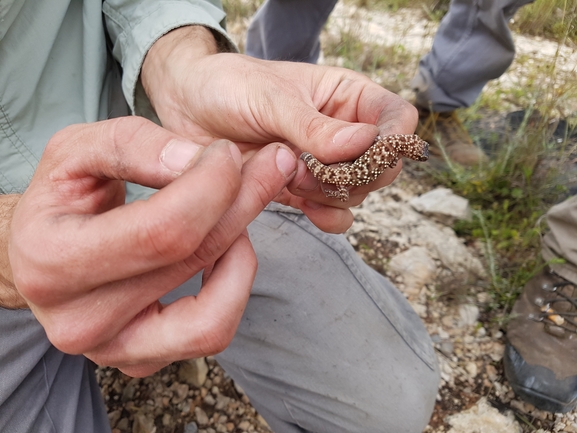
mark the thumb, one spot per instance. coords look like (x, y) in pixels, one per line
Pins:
(330, 140)
(335, 113)
(126, 148)
(75, 192)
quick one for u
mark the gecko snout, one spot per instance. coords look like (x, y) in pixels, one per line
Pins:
(425, 153)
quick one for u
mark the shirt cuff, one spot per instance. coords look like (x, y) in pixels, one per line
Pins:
(135, 37)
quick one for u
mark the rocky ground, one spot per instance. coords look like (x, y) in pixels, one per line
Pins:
(407, 229)
(405, 232)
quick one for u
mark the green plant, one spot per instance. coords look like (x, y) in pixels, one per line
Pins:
(392, 5)
(239, 9)
(435, 9)
(509, 195)
(367, 57)
(556, 19)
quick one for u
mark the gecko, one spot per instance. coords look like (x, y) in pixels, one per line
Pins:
(384, 153)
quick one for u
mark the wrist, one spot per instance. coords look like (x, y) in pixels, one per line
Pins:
(9, 295)
(167, 60)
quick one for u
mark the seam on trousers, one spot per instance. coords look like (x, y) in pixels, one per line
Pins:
(566, 270)
(424, 352)
(44, 409)
(287, 405)
(466, 36)
(294, 420)
(249, 376)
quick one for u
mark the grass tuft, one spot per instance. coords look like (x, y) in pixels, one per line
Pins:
(554, 19)
(510, 194)
(240, 9)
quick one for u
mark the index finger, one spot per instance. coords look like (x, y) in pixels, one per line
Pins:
(65, 221)
(346, 113)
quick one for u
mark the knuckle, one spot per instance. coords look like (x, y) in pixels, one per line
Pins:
(60, 139)
(229, 185)
(122, 130)
(64, 133)
(263, 190)
(313, 126)
(32, 277)
(168, 237)
(215, 336)
(70, 338)
(410, 111)
(213, 245)
(407, 117)
(125, 128)
(29, 286)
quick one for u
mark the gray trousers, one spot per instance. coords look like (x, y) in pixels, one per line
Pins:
(472, 45)
(288, 30)
(560, 242)
(326, 344)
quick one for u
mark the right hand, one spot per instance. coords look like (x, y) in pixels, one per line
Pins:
(333, 113)
(93, 268)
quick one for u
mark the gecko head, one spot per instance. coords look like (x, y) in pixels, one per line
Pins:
(424, 156)
(417, 149)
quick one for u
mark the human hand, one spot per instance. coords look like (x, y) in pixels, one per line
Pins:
(93, 268)
(332, 113)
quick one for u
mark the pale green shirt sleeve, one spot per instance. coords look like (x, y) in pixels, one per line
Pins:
(135, 25)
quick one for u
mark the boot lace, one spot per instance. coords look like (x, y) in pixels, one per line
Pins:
(558, 311)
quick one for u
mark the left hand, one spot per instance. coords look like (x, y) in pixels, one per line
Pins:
(92, 268)
(332, 113)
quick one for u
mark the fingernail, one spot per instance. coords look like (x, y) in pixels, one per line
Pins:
(235, 153)
(308, 181)
(177, 154)
(285, 161)
(344, 135)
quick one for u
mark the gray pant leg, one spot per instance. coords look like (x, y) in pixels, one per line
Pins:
(327, 344)
(288, 30)
(472, 46)
(561, 240)
(42, 389)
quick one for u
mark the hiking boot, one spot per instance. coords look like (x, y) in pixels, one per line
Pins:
(447, 135)
(541, 352)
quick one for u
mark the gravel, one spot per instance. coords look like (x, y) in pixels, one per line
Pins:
(198, 396)
(446, 289)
